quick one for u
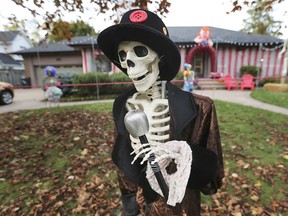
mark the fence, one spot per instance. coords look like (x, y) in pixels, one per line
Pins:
(12, 76)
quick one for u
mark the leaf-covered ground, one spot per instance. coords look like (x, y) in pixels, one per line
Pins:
(58, 163)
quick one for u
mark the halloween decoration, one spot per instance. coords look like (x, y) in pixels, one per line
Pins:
(203, 37)
(189, 76)
(182, 137)
(52, 92)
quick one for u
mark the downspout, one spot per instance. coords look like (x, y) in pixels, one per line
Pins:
(285, 62)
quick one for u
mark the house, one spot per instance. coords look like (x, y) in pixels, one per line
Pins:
(225, 52)
(11, 65)
(63, 57)
(230, 51)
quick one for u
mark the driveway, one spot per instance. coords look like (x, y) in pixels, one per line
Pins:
(34, 99)
(26, 99)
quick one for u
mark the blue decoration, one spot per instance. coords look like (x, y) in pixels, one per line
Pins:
(50, 71)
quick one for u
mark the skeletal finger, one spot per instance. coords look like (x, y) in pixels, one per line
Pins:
(146, 157)
(139, 148)
(140, 153)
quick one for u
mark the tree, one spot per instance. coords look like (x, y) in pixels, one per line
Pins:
(100, 6)
(60, 30)
(79, 28)
(261, 21)
(268, 4)
(29, 28)
(64, 30)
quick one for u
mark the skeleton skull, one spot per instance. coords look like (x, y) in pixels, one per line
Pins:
(141, 63)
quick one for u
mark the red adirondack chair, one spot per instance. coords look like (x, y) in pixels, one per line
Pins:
(230, 83)
(247, 82)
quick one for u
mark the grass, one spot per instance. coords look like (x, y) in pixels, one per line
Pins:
(254, 142)
(96, 107)
(69, 167)
(275, 98)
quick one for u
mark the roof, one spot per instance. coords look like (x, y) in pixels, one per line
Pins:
(48, 48)
(82, 40)
(223, 36)
(180, 35)
(186, 35)
(7, 59)
(7, 36)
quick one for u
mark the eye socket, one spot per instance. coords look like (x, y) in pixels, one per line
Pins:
(140, 51)
(122, 55)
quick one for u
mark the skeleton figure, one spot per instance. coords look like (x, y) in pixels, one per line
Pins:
(141, 63)
(181, 127)
(142, 67)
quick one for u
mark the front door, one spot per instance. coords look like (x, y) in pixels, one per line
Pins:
(198, 64)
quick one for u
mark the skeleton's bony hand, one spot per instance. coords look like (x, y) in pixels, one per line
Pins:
(162, 153)
(159, 150)
(139, 151)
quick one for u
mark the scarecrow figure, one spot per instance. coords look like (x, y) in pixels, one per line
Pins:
(189, 77)
(52, 92)
(183, 130)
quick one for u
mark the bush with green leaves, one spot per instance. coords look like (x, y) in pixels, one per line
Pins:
(87, 83)
(271, 80)
(66, 79)
(178, 79)
(253, 70)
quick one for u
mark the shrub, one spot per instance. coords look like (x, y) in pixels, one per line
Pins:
(253, 70)
(271, 80)
(178, 80)
(119, 87)
(104, 79)
(66, 78)
(179, 76)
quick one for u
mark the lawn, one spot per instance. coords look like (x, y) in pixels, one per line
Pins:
(57, 161)
(275, 98)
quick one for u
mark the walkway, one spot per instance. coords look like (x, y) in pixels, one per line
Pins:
(241, 97)
(34, 99)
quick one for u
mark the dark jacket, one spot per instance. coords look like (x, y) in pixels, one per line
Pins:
(194, 120)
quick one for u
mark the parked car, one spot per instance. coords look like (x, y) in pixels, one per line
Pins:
(6, 93)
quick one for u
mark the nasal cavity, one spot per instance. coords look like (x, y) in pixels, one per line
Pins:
(130, 63)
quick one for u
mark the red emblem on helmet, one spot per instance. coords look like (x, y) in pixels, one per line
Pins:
(138, 16)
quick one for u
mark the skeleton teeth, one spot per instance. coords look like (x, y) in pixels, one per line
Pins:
(142, 77)
(139, 78)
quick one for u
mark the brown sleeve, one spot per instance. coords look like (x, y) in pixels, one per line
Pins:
(125, 184)
(211, 140)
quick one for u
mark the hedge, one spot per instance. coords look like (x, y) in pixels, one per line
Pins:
(100, 77)
(253, 70)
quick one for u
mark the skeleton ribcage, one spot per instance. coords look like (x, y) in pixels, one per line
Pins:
(158, 115)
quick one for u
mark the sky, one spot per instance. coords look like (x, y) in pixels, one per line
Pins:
(181, 13)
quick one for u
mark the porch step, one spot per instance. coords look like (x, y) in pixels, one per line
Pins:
(211, 84)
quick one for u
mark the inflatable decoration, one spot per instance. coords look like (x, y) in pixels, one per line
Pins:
(203, 37)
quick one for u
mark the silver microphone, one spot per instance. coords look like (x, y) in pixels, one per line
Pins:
(136, 123)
